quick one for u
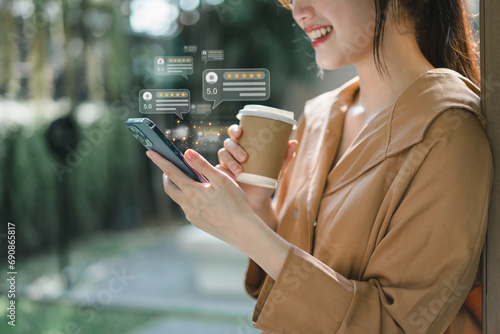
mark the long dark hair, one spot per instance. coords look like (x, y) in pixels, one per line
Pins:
(442, 29)
(443, 32)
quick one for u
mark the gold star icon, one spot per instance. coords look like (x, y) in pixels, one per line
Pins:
(177, 94)
(237, 76)
(229, 76)
(251, 75)
(244, 76)
(259, 75)
(170, 60)
(183, 94)
(171, 94)
(161, 94)
(183, 60)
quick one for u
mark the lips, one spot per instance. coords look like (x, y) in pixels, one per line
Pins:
(316, 31)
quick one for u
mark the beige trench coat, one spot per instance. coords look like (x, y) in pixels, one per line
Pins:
(389, 240)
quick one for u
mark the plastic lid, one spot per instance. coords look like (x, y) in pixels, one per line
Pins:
(267, 112)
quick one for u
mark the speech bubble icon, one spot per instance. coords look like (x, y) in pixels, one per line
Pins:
(190, 48)
(174, 66)
(212, 55)
(165, 101)
(241, 84)
(201, 109)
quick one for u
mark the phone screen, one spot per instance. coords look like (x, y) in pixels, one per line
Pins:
(152, 138)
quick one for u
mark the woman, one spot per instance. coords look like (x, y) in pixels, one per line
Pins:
(378, 223)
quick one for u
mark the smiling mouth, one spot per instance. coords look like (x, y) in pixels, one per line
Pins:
(318, 33)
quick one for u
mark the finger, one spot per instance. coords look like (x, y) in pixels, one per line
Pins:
(236, 150)
(290, 153)
(199, 163)
(171, 189)
(227, 159)
(174, 173)
(234, 131)
(226, 170)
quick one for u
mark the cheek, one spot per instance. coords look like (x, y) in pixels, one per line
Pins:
(351, 43)
(358, 39)
(354, 26)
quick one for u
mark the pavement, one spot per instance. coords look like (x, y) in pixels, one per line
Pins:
(193, 279)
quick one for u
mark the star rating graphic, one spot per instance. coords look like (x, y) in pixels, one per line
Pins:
(176, 94)
(179, 60)
(243, 75)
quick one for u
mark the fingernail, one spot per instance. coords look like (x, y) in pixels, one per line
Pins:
(236, 169)
(191, 154)
(241, 156)
(148, 154)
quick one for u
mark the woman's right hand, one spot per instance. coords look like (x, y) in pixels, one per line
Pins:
(232, 155)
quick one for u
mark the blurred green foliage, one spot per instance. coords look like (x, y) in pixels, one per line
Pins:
(33, 317)
(100, 190)
(85, 53)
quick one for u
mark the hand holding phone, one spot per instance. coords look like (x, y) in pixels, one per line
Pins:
(152, 138)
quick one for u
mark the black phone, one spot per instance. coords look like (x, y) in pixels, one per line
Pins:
(151, 137)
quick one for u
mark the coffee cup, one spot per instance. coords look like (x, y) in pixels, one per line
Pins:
(265, 132)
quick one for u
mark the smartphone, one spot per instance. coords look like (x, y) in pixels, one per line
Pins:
(149, 135)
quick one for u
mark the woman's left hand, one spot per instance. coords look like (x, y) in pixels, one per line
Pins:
(219, 206)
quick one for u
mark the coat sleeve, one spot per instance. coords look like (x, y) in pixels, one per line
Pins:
(255, 276)
(422, 267)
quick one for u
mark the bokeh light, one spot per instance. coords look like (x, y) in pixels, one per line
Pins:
(190, 18)
(213, 2)
(189, 5)
(23, 8)
(154, 17)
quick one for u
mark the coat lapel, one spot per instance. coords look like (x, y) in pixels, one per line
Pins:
(404, 124)
(299, 196)
(324, 136)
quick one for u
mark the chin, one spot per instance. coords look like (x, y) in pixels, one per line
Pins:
(330, 62)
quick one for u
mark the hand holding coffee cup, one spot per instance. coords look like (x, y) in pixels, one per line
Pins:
(232, 155)
(258, 149)
(264, 137)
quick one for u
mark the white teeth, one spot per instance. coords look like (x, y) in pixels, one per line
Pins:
(315, 34)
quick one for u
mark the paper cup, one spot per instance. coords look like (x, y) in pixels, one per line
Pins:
(265, 134)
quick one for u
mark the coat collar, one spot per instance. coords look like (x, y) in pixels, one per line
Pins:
(394, 129)
(425, 99)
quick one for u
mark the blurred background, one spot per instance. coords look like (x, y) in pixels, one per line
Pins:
(100, 248)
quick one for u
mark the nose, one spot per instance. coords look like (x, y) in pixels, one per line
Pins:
(302, 10)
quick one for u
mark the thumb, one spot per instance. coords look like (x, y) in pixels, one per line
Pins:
(290, 154)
